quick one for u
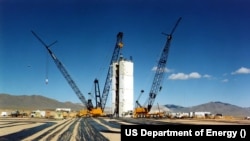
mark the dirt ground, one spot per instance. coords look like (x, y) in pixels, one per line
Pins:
(10, 126)
(209, 121)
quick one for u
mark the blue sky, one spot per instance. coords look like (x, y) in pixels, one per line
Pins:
(208, 59)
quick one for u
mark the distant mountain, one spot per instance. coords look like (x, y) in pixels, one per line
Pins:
(248, 108)
(8, 101)
(34, 102)
(214, 108)
(173, 107)
(159, 108)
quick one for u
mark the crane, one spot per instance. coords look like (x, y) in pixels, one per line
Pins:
(115, 57)
(98, 110)
(97, 93)
(137, 101)
(158, 77)
(65, 73)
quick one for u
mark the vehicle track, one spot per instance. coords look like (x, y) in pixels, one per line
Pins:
(49, 134)
(113, 124)
(25, 132)
(104, 126)
(12, 124)
(86, 132)
(67, 134)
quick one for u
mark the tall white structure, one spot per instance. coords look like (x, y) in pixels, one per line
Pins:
(122, 87)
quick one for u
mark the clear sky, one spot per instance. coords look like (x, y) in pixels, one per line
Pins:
(208, 59)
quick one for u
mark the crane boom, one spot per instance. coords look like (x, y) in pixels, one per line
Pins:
(64, 72)
(160, 70)
(97, 93)
(114, 58)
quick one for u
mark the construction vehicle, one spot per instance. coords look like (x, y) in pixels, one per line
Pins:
(95, 111)
(65, 74)
(90, 109)
(115, 58)
(98, 110)
(144, 111)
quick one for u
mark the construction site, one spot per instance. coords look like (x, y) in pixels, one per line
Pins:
(119, 82)
(95, 121)
(119, 85)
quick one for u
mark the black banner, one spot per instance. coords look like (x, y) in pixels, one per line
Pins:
(164, 132)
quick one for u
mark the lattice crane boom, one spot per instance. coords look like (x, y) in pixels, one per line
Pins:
(160, 70)
(115, 57)
(64, 73)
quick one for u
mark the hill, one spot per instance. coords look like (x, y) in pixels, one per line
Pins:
(213, 107)
(8, 101)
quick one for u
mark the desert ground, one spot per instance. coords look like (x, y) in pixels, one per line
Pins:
(86, 129)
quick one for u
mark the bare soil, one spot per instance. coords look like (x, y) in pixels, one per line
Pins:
(69, 129)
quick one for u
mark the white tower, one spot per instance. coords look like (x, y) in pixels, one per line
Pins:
(122, 87)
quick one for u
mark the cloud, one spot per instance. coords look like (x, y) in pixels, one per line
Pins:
(180, 76)
(225, 80)
(183, 76)
(242, 70)
(194, 75)
(165, 70)
(207, 76)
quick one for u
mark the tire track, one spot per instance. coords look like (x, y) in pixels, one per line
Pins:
(25, 132)
(12, 124)
(110, 123)
(56, 133)
(67, 134)
(104, 127)
(75, 131)
(52, 131)
(86, 132)
(107, 129)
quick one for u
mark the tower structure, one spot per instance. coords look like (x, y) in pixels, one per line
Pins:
(122, 87)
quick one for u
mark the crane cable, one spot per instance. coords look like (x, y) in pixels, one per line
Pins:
(47, 69)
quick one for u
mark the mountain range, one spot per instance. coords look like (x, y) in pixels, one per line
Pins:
(8, 101)
(216, 107)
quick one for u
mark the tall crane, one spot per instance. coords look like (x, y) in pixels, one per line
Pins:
(115, 57)
(158, 77)
(97, 93)
(65, 73)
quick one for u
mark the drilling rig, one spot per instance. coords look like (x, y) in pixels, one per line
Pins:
(143, 111)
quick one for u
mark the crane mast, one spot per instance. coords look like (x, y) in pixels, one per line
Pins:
(65, 73)
(114, 58)
(97, 94)
(160, 70)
